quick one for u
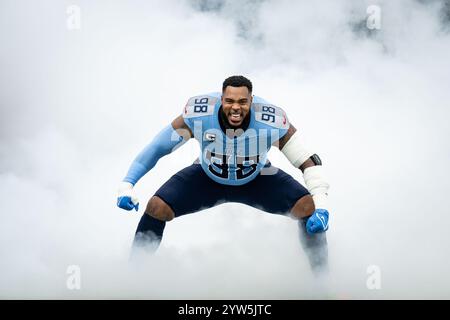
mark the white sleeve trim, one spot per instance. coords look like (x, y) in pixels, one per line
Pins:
(295, 151)
(126, 190)
(317, 186)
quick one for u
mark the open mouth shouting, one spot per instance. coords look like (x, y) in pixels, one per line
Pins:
(235, 118)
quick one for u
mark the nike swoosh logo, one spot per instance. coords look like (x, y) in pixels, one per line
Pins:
(322, 220)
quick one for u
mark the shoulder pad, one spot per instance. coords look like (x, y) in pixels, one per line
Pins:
(200, 106)
(271, 115)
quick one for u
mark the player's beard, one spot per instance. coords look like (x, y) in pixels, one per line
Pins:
(227, 119)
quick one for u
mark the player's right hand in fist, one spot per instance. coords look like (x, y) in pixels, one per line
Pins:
(318, 222)
(126, 198)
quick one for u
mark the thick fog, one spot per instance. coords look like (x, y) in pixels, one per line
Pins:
(85, 85)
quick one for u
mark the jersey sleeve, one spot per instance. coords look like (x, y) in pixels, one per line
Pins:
(198, 107)
(272, 117)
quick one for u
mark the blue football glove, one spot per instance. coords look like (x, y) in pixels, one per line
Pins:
(126, 203)
(318, 222)
(126, 198)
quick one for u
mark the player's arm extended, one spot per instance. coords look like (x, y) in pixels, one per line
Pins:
(292, 146)
(167, 140)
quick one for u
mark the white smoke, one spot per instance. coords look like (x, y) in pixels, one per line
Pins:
(77, 105)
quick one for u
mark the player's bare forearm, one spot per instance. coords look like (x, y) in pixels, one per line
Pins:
(181, 128)
(308, 163)
(282, 142)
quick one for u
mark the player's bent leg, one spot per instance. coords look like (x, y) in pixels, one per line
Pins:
(304, 207)
(189, 190)
(157, 208)
(314, 245)
(151, 226)
(280, 193)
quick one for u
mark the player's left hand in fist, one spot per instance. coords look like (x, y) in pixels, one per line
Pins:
(126, 198)
(318, 222)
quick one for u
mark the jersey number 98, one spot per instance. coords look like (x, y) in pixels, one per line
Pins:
(270, 115)
(201, 105)
(245, 166)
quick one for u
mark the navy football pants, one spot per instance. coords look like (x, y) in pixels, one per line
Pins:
(191, 190)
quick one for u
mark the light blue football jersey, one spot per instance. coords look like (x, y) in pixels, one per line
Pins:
(235, 160)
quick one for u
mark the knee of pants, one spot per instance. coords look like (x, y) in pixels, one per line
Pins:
(158, 209)
(304, 207)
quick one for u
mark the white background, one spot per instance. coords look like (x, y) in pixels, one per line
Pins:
(77, 105)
